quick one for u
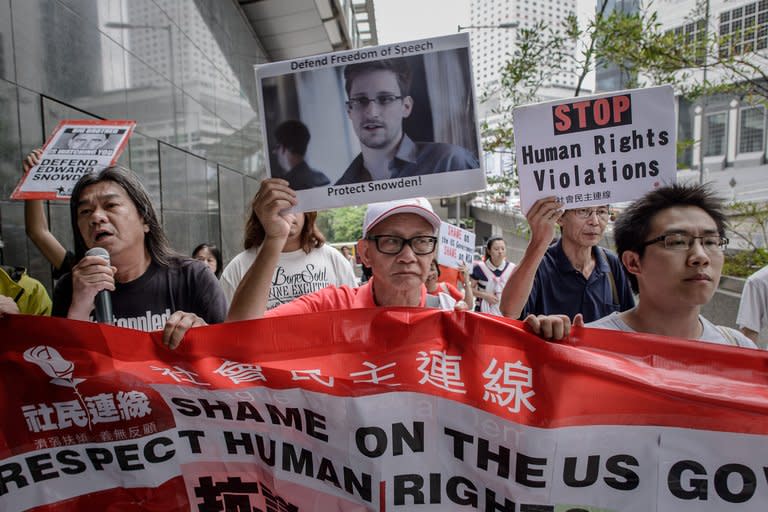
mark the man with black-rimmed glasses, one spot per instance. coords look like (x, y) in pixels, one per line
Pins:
(399, 242)
(671, 243)
(378, 101)
(572, 276)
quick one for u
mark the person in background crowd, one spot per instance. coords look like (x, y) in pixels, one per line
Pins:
(434, 285)
(152, 287)
(671, 243)
(449, 275)
(306, 262)
(347, 253)
(573, 275)
(36, 226)
(292, 142)
(211, 256)
(490, 276)
(365, 273)
(753, 307)
(20, 293)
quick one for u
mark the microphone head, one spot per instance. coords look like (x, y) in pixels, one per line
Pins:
(98, 251)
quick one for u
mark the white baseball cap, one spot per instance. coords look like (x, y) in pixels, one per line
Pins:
(377, 212)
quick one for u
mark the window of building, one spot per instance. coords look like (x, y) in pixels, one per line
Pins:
(714, 136)
(693, 33)
(744, 29)
(751, 129)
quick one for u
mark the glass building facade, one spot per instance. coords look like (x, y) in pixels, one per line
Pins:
(182, 69)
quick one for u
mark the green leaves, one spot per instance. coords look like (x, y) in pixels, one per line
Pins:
(342, 224)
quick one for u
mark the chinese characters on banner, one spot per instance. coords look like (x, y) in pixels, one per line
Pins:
(399, 409)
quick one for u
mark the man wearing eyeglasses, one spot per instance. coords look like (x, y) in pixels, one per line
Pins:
(572, 276)
(398, 243)
(378, 102)
(671, 243)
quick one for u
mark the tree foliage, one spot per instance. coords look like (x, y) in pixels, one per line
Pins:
(342, 224)
(749, 223)
(642, 50)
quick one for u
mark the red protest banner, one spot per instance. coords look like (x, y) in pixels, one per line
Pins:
(382, 409)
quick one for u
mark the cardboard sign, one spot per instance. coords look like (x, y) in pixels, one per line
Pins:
(456, 246)
(596, 150)
(381, 409)
(76, 147)
(373, 124)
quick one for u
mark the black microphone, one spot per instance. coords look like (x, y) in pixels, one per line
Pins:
(103, 300)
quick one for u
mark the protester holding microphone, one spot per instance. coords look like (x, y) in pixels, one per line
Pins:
(151, 286)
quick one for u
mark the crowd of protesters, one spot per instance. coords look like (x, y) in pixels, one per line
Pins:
(669, 255)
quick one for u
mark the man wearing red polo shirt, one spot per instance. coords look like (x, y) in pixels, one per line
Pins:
(398, 243)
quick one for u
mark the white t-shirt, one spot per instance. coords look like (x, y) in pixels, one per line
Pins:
(711, 333)
(753, 308)
(297, 273)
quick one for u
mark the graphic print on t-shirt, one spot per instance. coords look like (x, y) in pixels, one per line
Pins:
(287, 286)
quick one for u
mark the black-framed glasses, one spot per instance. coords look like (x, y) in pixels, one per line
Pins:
(684, 242)
(602, 212)
(362, 102)
(391, 244)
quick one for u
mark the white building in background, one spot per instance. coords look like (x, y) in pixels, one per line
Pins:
(731, 130)
(491, 48)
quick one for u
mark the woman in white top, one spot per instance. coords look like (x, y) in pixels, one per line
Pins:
(306, 263)
(490, 276)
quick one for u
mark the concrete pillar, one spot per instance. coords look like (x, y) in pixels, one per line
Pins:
(732, 132)
(698, 128)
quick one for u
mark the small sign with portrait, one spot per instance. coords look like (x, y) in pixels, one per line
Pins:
(76, 147)
(373, 124)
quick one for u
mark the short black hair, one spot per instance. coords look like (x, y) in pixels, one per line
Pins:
(294, 136)
(215, 252)
(399, 67)
(633, 226)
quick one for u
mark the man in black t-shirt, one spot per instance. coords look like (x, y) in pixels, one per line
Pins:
(152, 286)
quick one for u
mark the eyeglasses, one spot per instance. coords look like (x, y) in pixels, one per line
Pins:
(684, 242)
(362, 102)
(390, 244)
(603, 213)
